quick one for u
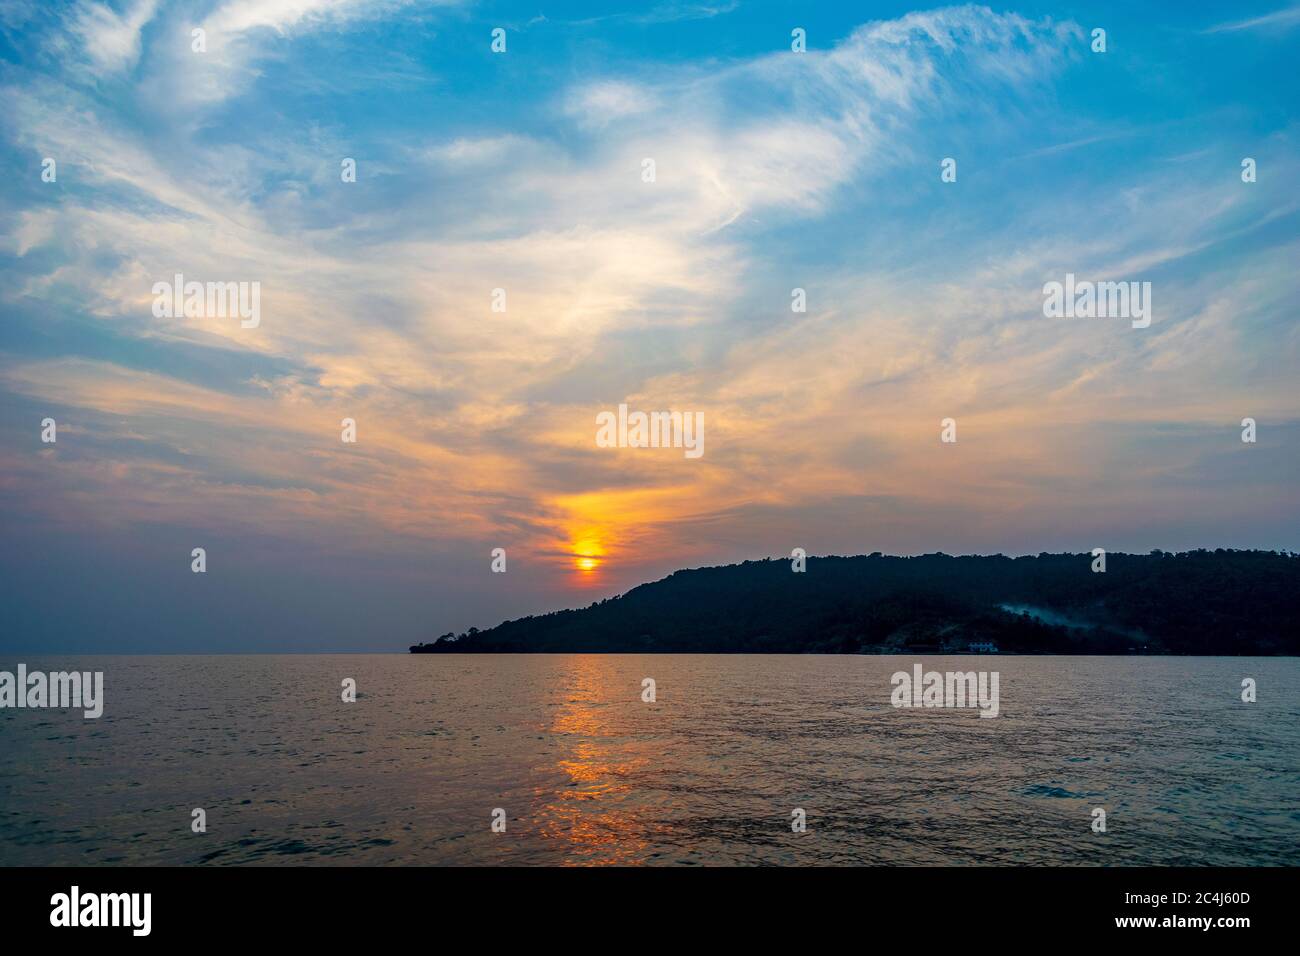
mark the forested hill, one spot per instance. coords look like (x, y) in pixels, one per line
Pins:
(1198, 602)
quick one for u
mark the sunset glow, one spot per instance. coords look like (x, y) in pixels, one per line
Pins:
(797, 273)
(587, 555)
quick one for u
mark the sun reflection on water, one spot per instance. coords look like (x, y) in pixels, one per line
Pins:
(593, 811)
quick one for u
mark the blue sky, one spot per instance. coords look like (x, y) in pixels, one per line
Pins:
(522, 171)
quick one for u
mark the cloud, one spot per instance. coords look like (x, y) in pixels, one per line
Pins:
(1284, 19)
(609, 101)
(776, 170)
(674, 12)
(112, 40)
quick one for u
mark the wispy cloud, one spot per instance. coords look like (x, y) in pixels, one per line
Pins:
(112, 40)
(774, 170)
(1285, 18)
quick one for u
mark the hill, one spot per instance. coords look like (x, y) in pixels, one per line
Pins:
(1199, 602)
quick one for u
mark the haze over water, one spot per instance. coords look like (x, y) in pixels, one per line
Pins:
(708, 774)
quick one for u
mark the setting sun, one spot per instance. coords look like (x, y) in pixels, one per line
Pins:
(587, 552)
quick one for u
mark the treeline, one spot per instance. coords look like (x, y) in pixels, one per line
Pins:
(1197, 602)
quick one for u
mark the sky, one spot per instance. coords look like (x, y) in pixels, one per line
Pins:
(525, 171)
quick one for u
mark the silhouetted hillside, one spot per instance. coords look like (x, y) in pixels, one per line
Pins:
(1199, 602)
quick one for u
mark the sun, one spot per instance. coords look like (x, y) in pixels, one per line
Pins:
(587, 554)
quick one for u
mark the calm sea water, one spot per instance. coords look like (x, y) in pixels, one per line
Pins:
(709, 774)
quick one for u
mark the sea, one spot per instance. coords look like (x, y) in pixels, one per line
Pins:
(576, 760)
